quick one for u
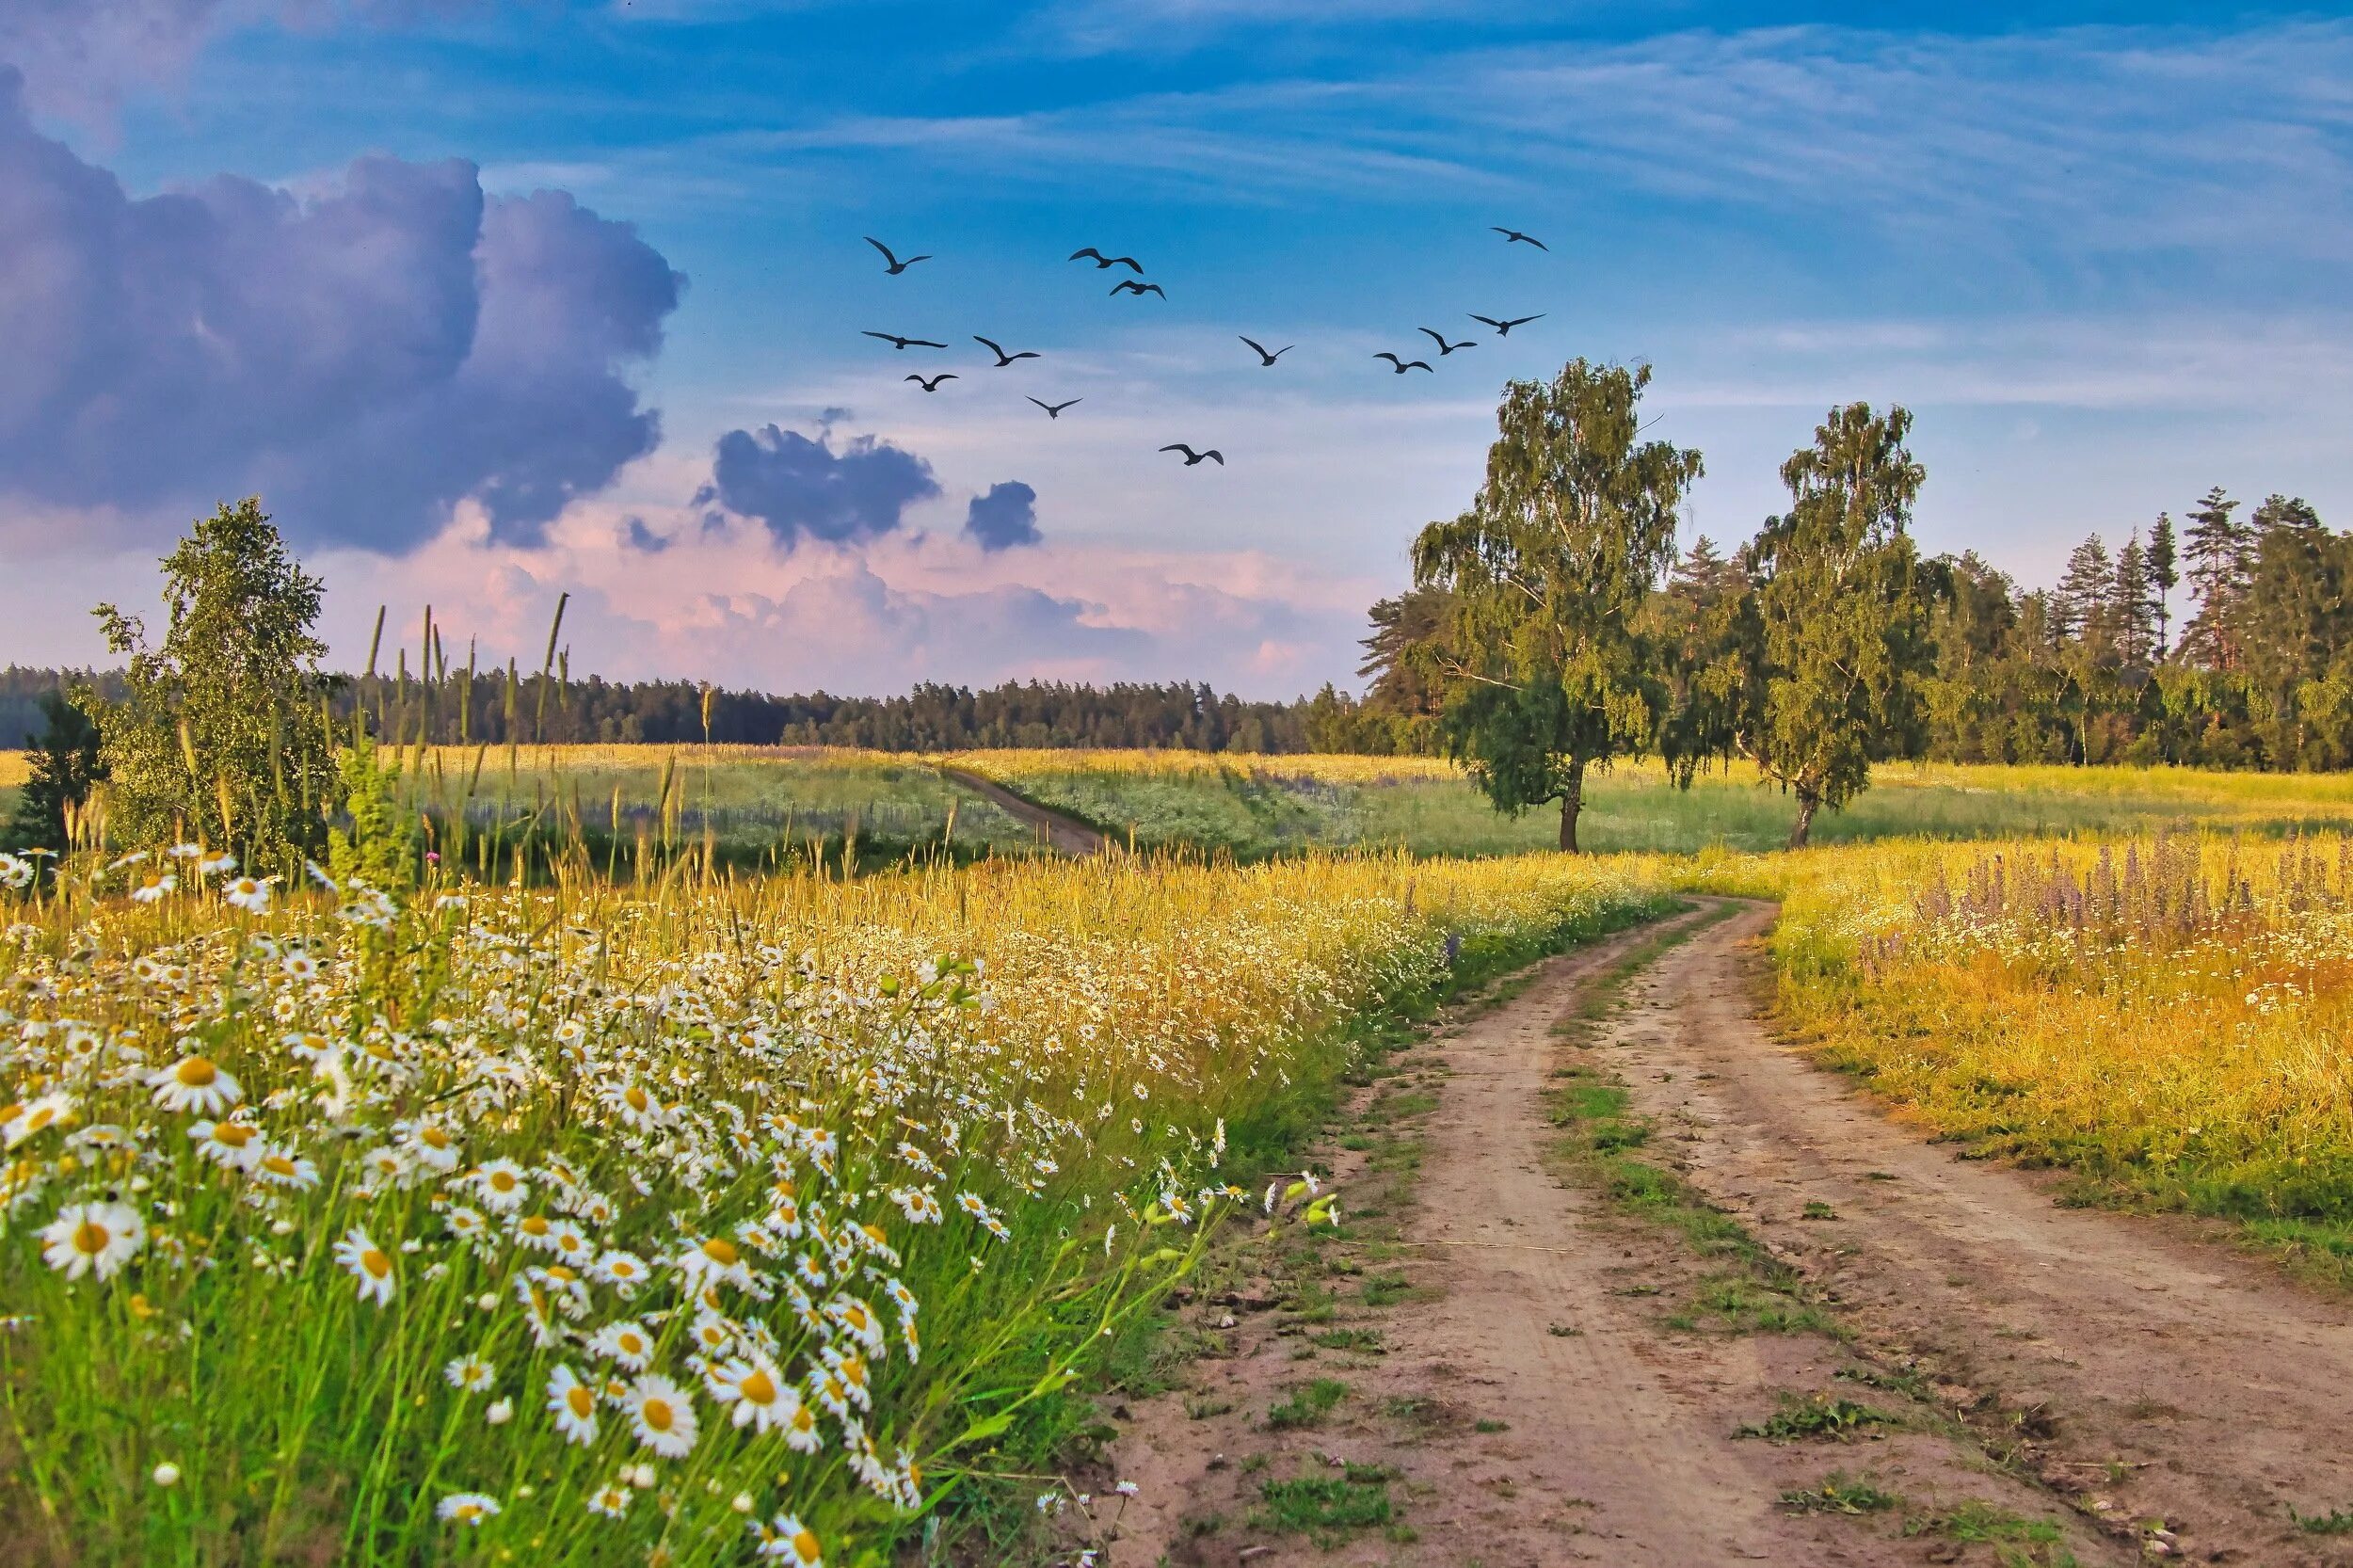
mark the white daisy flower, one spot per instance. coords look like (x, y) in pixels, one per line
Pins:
(284, 1168)
(195, 1083)
(470, 1375)
(624, 1270)
(786, 1538)
(663, 1416)
(610, 1501)
(21, 1122)
(92, 1238)
(762, 1397)
(502, 1186)
(248, 894)
(467, 1507)
(367, 1263)
(625, 1342)
(573, 1404)
(713, 1259)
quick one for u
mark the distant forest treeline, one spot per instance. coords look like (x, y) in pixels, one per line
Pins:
(2255, 670)
(930, 718)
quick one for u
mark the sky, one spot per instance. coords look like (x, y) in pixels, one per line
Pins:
(492, 302)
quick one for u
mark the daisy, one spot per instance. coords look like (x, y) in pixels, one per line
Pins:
(502, 1185)
(663, 1416)
(860, 1319)
(467, 1508)
(625, 1270)
(247, 893)
(429, 1143)
(214, 862)
(299, 965)
(625, 1342)
(151, 889)
(535, 1231)
(87, 1236)
(800, 1428)
(195, 1083)
(762, 1394)
(712, 1260)
(284, 1168)
(466, 1223)
(571, 1243)
(470, 1375)
(713, 1334)
(368, 1264)
(23, 1121)
(573, 1404)
(785, 1537)
(610, 1501)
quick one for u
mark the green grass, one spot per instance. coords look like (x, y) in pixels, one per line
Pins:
(1840, 1494)
(1324, 1508)
(1815, 1415)
(2337, 1521)
(1308, 1404)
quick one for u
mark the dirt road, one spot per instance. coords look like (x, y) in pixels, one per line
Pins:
(1542, 1377)
(1064, 833)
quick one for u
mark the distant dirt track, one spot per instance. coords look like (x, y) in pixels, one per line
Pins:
(1067, 834)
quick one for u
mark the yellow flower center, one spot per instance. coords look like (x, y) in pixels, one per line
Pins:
(40, 1118)
(804, 1420)
(557, 1271)
(758, 1387)
(570, 1241)
(804, 1543)
(195, 1072)
(534, 1225)
(433, 1136)
(583, 1405)
(503, 1180)
(658, 1415)
(278, 1165)
(90, 1237)
(235, 1134)
(636, 1099)
(722, 1251)
(376, 1263)
(853, 1369)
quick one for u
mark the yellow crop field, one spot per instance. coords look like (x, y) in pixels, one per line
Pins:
(607, 1222)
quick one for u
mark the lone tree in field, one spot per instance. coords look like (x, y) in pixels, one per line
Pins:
(222, 733)
(64, 769)
(1842, 626)
(1547, 574)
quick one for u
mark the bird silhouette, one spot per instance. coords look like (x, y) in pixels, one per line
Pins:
(1265, 357)
(1503, 328)
(1404, 365)
(1192, 456)
(1445, 347)
(896, 266)
(1003, 359)
(933, 385)
(897, 342)
(1513, 236)
(1131, 286)
(1053, 411)
(1102, 260)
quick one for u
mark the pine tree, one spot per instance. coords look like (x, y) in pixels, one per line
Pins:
(2080, 604)
(2136, 634)
(2163, 577)
(2219, 550)
(64, 768)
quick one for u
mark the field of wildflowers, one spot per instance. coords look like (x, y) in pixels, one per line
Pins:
(2167, 1016)
(705, 1220)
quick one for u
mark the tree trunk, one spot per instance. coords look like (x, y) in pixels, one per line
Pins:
(1572, 801)
(1808, 803)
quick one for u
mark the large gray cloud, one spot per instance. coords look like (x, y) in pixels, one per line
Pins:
(798, 486)
(365, 359)
(1005, 517)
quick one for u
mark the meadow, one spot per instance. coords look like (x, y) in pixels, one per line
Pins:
(586, 1223)
(611, 1213)
(1255, 806)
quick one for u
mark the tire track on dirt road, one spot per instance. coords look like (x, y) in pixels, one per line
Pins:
(2155, 1371)
(1525, 1399)
(1064, 832)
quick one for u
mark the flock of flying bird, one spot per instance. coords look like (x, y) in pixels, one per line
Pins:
(893, 266)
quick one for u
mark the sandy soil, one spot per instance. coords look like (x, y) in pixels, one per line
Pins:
(1529, 1400)
(2157, 1372)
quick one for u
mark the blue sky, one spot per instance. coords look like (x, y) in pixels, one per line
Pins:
(2102, 252)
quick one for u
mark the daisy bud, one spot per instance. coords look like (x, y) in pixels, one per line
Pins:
(500, 1413)
(742, 1503)
(644, 1477)
(166, 1474)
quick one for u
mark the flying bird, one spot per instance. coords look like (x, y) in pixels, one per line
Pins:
(1265, 357)
(1445, 347)
(1404, 365)
(896, 266)
(1131, 286)
(1192, 456)
(1513, 236)
(897, 342)
(1503, 328)
(1053, 411)
(933, 385)
(1003, 359)
(1102, 260)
